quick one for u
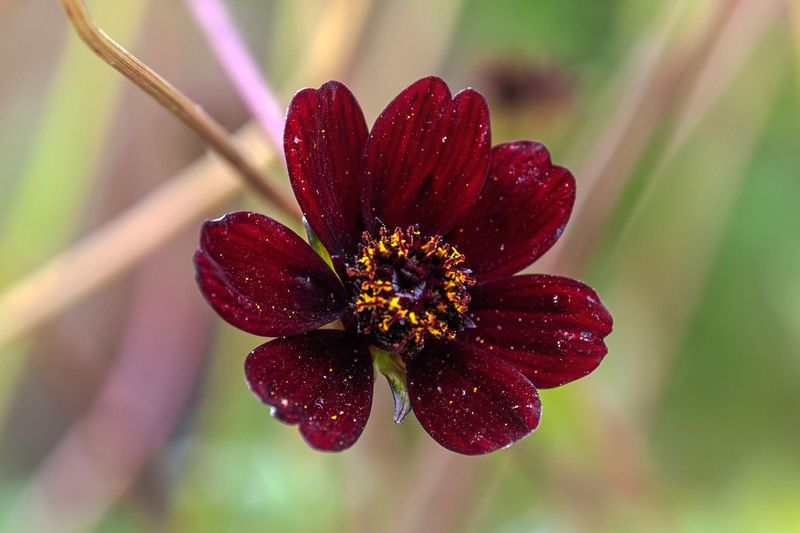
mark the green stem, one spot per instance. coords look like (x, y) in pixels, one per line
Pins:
(391, 366)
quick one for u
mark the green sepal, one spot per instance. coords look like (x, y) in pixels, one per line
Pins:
(316, 244)
(391, 366)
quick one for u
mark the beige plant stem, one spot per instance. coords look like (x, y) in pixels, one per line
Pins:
(657, 84)
(110, 251)
(122, 243)
(750, 24)
(331, 42)
(174, 101)
(421, 508)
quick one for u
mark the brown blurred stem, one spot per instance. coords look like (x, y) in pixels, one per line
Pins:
(174, 101)
(131, 236)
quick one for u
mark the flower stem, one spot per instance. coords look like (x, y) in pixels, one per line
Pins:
(391, 366)
(210, 131)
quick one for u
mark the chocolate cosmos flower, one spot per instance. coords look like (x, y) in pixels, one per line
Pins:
(423, 225)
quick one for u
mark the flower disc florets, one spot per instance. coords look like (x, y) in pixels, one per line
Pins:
(408, 288)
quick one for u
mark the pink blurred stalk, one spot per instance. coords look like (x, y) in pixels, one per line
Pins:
(232, 53)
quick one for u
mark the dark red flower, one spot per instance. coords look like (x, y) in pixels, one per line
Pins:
(425, 224)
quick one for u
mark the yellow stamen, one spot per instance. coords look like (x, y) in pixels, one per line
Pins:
(410, 287)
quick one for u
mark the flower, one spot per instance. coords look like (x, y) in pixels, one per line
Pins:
(424, 225)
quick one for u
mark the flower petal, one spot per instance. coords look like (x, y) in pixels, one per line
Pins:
(261, 277)
(549, 328)
(321, 381)
(324, 143)
(520, 214)
(426, 158)
(469, 401)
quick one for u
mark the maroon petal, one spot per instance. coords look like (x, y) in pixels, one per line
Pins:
(261, 277)
(520, 213)
(324, 143)
(549, 328)
(426, 157)
(469, 401)
(321, 381)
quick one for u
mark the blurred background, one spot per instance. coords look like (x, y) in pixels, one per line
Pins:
(122, 400)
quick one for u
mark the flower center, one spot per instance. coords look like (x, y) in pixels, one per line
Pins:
(408, 288)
